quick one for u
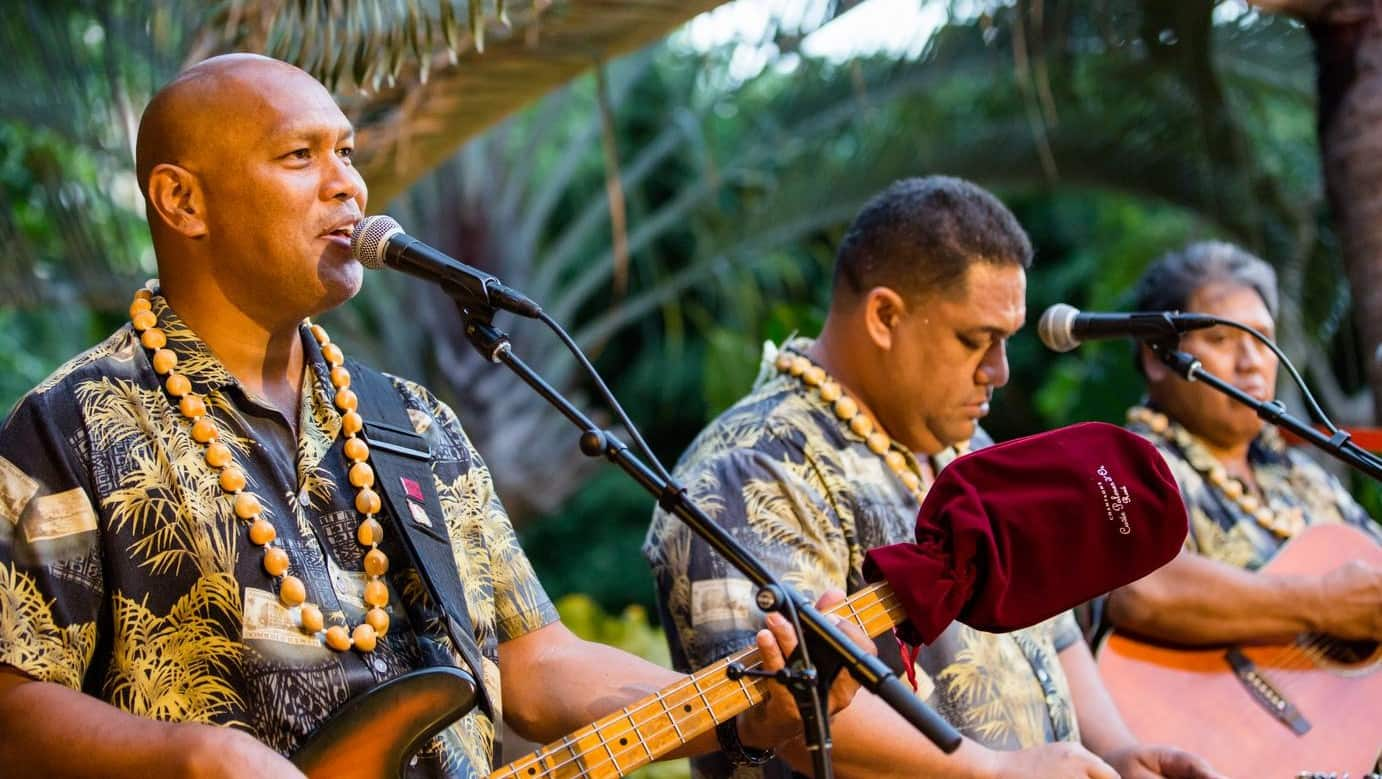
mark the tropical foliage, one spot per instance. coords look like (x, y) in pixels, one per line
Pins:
(675, 211)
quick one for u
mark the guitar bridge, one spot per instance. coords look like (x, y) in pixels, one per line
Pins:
(1265, 694)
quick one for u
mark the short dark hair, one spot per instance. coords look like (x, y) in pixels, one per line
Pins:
(922, 234)
(1168, 283)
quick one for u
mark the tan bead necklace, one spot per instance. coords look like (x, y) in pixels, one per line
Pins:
(1284, 525)
(848, 411)
(291, 590)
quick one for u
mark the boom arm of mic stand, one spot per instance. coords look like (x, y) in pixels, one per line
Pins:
(1338, 446)
(825, 640)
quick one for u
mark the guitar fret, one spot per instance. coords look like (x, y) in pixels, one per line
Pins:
(538, 764)
(666, 712)
(729, 702)
(853, 612)
(546, 764)
(696, 683)
(605, 743)
(747, 690)
(633, 730)
(875, 608)
(867, 621)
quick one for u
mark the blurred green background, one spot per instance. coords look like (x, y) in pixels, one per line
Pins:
(678, 205)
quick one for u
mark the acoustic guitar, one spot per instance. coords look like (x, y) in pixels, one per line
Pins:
(375, 733)
(1312, 706)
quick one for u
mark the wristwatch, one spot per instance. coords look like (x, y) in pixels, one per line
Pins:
(735, 752)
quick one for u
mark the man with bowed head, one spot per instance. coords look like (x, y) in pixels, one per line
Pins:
(196, 567)
(830, 456)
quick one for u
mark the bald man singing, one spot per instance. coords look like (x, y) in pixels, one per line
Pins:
(197, 564)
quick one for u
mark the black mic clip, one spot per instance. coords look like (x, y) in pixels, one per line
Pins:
(1167, 349)
(491, 342)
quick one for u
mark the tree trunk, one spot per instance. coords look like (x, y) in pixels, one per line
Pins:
(1349, 54)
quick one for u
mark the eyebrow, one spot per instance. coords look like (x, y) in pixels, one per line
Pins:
(312, 130)
(1001, 332)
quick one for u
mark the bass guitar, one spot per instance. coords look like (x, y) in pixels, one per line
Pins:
(375, 733)
(1309, 707)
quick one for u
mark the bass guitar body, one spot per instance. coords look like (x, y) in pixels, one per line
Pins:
(1310, 706)
(372, 735)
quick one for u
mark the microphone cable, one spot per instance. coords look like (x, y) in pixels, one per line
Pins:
(604, 390)
(1312, 405)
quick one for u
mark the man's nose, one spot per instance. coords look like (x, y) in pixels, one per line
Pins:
(342, 181)
(993, 369)
(1252, 356)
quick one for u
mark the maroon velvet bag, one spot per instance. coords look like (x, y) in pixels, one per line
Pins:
(1014, 534)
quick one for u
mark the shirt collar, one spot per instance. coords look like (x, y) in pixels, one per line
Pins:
(195, 360)
(1267, 446)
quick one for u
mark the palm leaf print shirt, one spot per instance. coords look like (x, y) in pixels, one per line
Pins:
(1291, 484)
(124, 572)
(805, 495)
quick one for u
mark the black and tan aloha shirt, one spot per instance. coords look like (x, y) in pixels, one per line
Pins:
(125, 574)
(806, 496)
(1290, 481)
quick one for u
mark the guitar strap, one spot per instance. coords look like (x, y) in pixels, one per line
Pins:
(403, 475)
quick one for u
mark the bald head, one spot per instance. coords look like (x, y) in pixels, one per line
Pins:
(246, 165)
(210, 106)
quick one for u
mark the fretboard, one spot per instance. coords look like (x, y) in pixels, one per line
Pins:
(645, 730)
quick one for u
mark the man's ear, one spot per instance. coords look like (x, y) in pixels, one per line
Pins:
(1152, 367)
(883, 312)
(175, 194)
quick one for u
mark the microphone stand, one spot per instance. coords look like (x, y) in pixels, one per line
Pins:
(818, 637)
(1338, 445)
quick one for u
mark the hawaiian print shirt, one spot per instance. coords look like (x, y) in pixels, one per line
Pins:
(806, 496)
(124, 572)
(1290, 482)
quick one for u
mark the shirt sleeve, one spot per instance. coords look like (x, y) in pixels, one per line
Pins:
(1321, 492)
(51, 581)
(778, 510)
(521, 604)
(1065, 631)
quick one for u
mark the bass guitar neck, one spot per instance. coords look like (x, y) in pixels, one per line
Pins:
(648, 729)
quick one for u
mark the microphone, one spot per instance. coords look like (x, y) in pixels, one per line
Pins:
(1064, 327)
(379, 242)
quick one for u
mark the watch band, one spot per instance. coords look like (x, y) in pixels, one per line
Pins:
(734, 750)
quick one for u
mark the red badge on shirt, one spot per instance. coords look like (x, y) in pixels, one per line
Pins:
(413, 489)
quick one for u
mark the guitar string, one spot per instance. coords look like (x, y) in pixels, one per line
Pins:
(1301, 652)
(1304, 656)
(1292, 683)
(711, 703)
(886, 602)
(569, 742)
(1312, 653)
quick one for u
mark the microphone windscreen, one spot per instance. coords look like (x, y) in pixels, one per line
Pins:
(1014, 534)
(1055, 328)
(369, 238)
